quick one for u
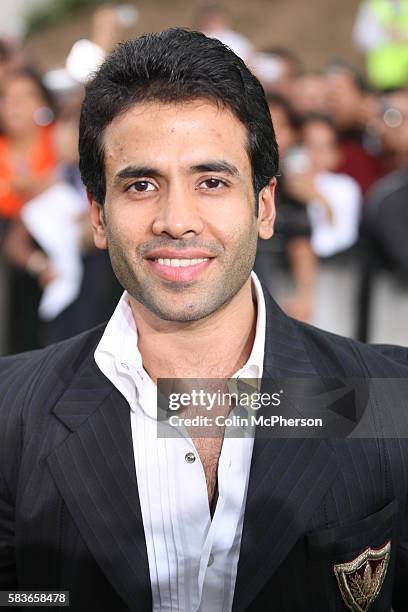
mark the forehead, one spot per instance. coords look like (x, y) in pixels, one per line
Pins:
(319, 130)
(344, 82)
(167, 134)
(20, 84)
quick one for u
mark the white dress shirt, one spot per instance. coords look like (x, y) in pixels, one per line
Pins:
(192, 559)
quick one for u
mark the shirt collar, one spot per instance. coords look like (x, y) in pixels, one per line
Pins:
(119, 340)
(117, 353)
(254, 366)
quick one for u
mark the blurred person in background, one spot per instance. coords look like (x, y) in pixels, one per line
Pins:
(108, 26)
(389, 125)
(352, 107)
(309, 93)
(27, 167)
(214, 21)
(27, 155)
(381, 32)
(386, 213)
(292, 228)
(384, 260)
(99, 290)
(9, 60)
(288, 66)
(332, 200)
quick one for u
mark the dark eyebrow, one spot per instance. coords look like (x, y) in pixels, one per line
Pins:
(216, 166)
(136, 172)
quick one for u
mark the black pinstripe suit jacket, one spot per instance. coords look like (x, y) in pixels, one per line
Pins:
(69, 509)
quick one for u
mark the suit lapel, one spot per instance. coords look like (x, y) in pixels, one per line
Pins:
(94, 471)
(288, 477)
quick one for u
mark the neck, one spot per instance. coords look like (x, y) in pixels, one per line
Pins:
(24, 139)
(197, 349)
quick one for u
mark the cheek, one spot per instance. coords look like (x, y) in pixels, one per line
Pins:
(227, 227)
(124, 220)
(235, 229)
(122, 231)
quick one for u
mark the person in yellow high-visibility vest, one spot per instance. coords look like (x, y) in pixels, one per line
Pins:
(381, 31)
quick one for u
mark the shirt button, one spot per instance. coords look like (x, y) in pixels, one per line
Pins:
(124, 365)
(210, 560)
(190, 457)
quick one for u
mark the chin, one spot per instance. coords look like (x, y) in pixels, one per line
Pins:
(182, 316)
(182, 313)
(180, 307)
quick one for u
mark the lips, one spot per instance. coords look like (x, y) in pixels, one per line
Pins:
(180, 263)
(180, 253)
(179, 269)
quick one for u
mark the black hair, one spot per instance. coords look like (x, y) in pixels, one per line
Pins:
(5, 52)
(173, 66)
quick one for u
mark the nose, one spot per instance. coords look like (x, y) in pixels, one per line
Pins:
(178, 214)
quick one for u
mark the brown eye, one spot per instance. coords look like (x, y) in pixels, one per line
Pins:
(213, 183)
(141, 186)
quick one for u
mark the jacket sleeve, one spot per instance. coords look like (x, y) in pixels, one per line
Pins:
(13, 390)
(8, 575)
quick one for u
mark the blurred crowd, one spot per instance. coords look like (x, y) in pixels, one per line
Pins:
(342, 200)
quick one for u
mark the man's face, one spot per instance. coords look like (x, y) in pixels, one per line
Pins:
(179, 214)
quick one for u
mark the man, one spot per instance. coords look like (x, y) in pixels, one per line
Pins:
(178, 156)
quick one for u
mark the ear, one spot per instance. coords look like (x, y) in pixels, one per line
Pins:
(267, 211)
(98, 223)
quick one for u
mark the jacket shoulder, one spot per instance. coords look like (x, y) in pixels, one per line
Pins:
(21, 373)
(335, 354)
(70, 346)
